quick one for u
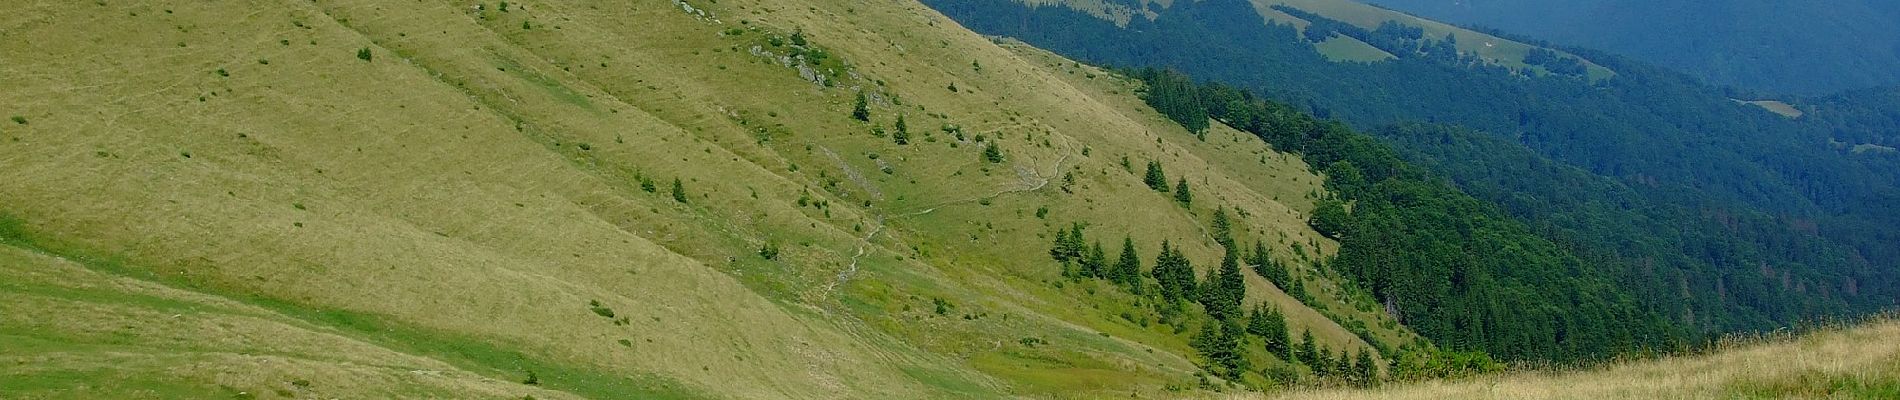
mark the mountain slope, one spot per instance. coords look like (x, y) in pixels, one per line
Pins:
(1719, 215)
(571, 199)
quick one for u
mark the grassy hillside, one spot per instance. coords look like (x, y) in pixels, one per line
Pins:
(573, 199)
(1858, 362)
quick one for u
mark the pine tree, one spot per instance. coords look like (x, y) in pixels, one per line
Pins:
(1229, 351)
(1219, 344)
(1174, 273)
(679, 191)
(1308, 351)
(1364, 369)
(1341, 366)
(1270, 325)
(1155, 179)
(1127, 270)
(862, 111)
(1264, 265)
(1323, 362)
(1225, 289)
(1077, 245)
(1095, 265)
(902, 136)
(1223, 228)
(1181, 194)
(1059, 250)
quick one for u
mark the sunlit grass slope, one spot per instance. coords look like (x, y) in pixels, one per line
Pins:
(354, 198)
(1858, 362)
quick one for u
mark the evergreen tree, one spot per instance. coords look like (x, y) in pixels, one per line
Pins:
(1270, 326)
(1070, 250)
(1155, 179)
(1174, 273)
(1060, 250)
(902, 135)
(1095, 265)
(1323, 362)
(1219, 344)
(1342, 366)
(1223, 228)
(1177, 97)
(1181, 193)
(1264, 265)
(862, 111)
(1127, 271)
(1225, 289)
(679, 191)
(1364, 369)
(992, 153)
(1308, 351)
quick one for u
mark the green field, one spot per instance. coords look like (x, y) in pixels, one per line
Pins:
(1346, 49)
(1775, 106)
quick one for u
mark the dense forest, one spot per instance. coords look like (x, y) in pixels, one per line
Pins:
(1455, 269)
(1713, 214)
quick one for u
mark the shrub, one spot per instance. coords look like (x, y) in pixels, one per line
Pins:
(594, 305)
(769, 251)
(992, 153)
(363, 54)
(19, 120)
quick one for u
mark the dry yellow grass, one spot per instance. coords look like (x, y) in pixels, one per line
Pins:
(1857, 362)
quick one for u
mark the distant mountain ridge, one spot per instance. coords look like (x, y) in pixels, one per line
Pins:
(1780, 46)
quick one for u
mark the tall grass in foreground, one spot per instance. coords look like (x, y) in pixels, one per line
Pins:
(1839, 360)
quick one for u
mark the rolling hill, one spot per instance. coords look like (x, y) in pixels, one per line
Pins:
(574, 199)
(742, 199)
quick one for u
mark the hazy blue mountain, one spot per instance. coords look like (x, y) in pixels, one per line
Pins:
(1775, 45)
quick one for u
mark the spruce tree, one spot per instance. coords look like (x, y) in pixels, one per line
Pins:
(1365, 369)
(679, 191)
(1270, 326)
(1059, 250)
(1308, 352)
(1225, 289)
(862, 111)
(1181, 193)
(902, 135)
(1223, 228)
(1127, 270)
(1174, 273)
(1219, 344)
(1155, 178)
(1095, 265)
